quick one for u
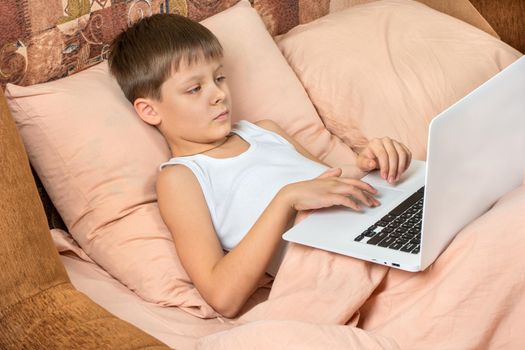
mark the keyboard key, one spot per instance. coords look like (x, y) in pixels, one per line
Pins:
(406, 215)
(377, 238)
(408, 247)
(378, 229)
(388, 229)
(397, 222)
(386, 242)
(406, 227)
(413, 221)
(396, 246)
(388, 218)
(359, 238)
(415, 240)
(369, 233)
(416, 250)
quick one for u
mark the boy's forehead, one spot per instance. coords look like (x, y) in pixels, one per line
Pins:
(200, 66)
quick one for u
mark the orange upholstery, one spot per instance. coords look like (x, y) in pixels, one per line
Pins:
(39, 308)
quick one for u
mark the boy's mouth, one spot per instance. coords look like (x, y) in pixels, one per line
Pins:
(222, 116)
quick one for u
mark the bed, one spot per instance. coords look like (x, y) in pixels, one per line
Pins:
(324, 66)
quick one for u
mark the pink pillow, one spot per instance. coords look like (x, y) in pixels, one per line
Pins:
(386, 68)
(99, 161)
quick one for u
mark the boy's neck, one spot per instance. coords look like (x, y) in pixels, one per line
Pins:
(204, 150)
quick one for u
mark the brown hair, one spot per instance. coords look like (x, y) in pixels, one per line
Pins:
(144, 56)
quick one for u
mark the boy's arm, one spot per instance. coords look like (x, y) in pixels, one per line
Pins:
(224, 281)
(386, 154)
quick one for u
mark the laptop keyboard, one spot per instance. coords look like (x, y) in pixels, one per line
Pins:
(400, 229)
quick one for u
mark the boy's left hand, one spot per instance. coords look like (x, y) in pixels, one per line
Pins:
(391, 157)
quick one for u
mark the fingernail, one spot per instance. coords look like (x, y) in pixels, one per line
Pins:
(391, 179)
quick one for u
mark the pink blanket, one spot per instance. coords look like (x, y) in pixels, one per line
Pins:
(472, 297)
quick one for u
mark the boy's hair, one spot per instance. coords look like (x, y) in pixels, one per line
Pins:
(144, 56)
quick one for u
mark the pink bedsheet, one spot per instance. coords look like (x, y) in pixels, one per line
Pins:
(176, 328)
(472, 297)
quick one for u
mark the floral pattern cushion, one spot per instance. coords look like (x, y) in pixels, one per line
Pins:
(48, 39)
(43, 40)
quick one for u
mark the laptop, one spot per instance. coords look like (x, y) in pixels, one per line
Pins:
(475, 154)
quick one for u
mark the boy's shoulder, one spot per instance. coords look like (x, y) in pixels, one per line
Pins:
(270, 125)
(267, 124)
(174, 175)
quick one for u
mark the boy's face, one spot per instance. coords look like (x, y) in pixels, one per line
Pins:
(194, 110)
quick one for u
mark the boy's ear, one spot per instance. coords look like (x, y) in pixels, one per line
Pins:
(146, 111)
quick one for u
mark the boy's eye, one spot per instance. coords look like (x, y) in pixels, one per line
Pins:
(194, 90)
(220, 78)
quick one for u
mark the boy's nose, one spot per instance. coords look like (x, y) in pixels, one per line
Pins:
(219, 96)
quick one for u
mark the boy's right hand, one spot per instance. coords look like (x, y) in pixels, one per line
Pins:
(329, 189)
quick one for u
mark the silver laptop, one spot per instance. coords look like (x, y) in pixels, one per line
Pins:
(475, 154)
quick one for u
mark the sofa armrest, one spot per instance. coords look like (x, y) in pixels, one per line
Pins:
(463, 10)
(39, 307)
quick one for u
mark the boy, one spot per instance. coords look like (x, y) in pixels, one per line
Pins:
(235, 188)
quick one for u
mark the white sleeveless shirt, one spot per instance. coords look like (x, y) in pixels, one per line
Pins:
(239, 188)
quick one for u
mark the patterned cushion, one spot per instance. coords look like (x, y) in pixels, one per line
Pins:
(48, 39)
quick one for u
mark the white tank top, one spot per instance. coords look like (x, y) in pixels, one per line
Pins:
(238, 189)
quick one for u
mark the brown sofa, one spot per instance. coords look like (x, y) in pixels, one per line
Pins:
(39, 307)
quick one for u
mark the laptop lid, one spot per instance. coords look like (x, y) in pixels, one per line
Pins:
(476, 154)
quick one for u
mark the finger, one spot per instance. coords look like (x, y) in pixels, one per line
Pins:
(345, 201)
(381, 155)
(365, 160)
(364, 186)
(362, 197)
(373, 199)
(392, 159)
(402, 159)
(355, 192)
